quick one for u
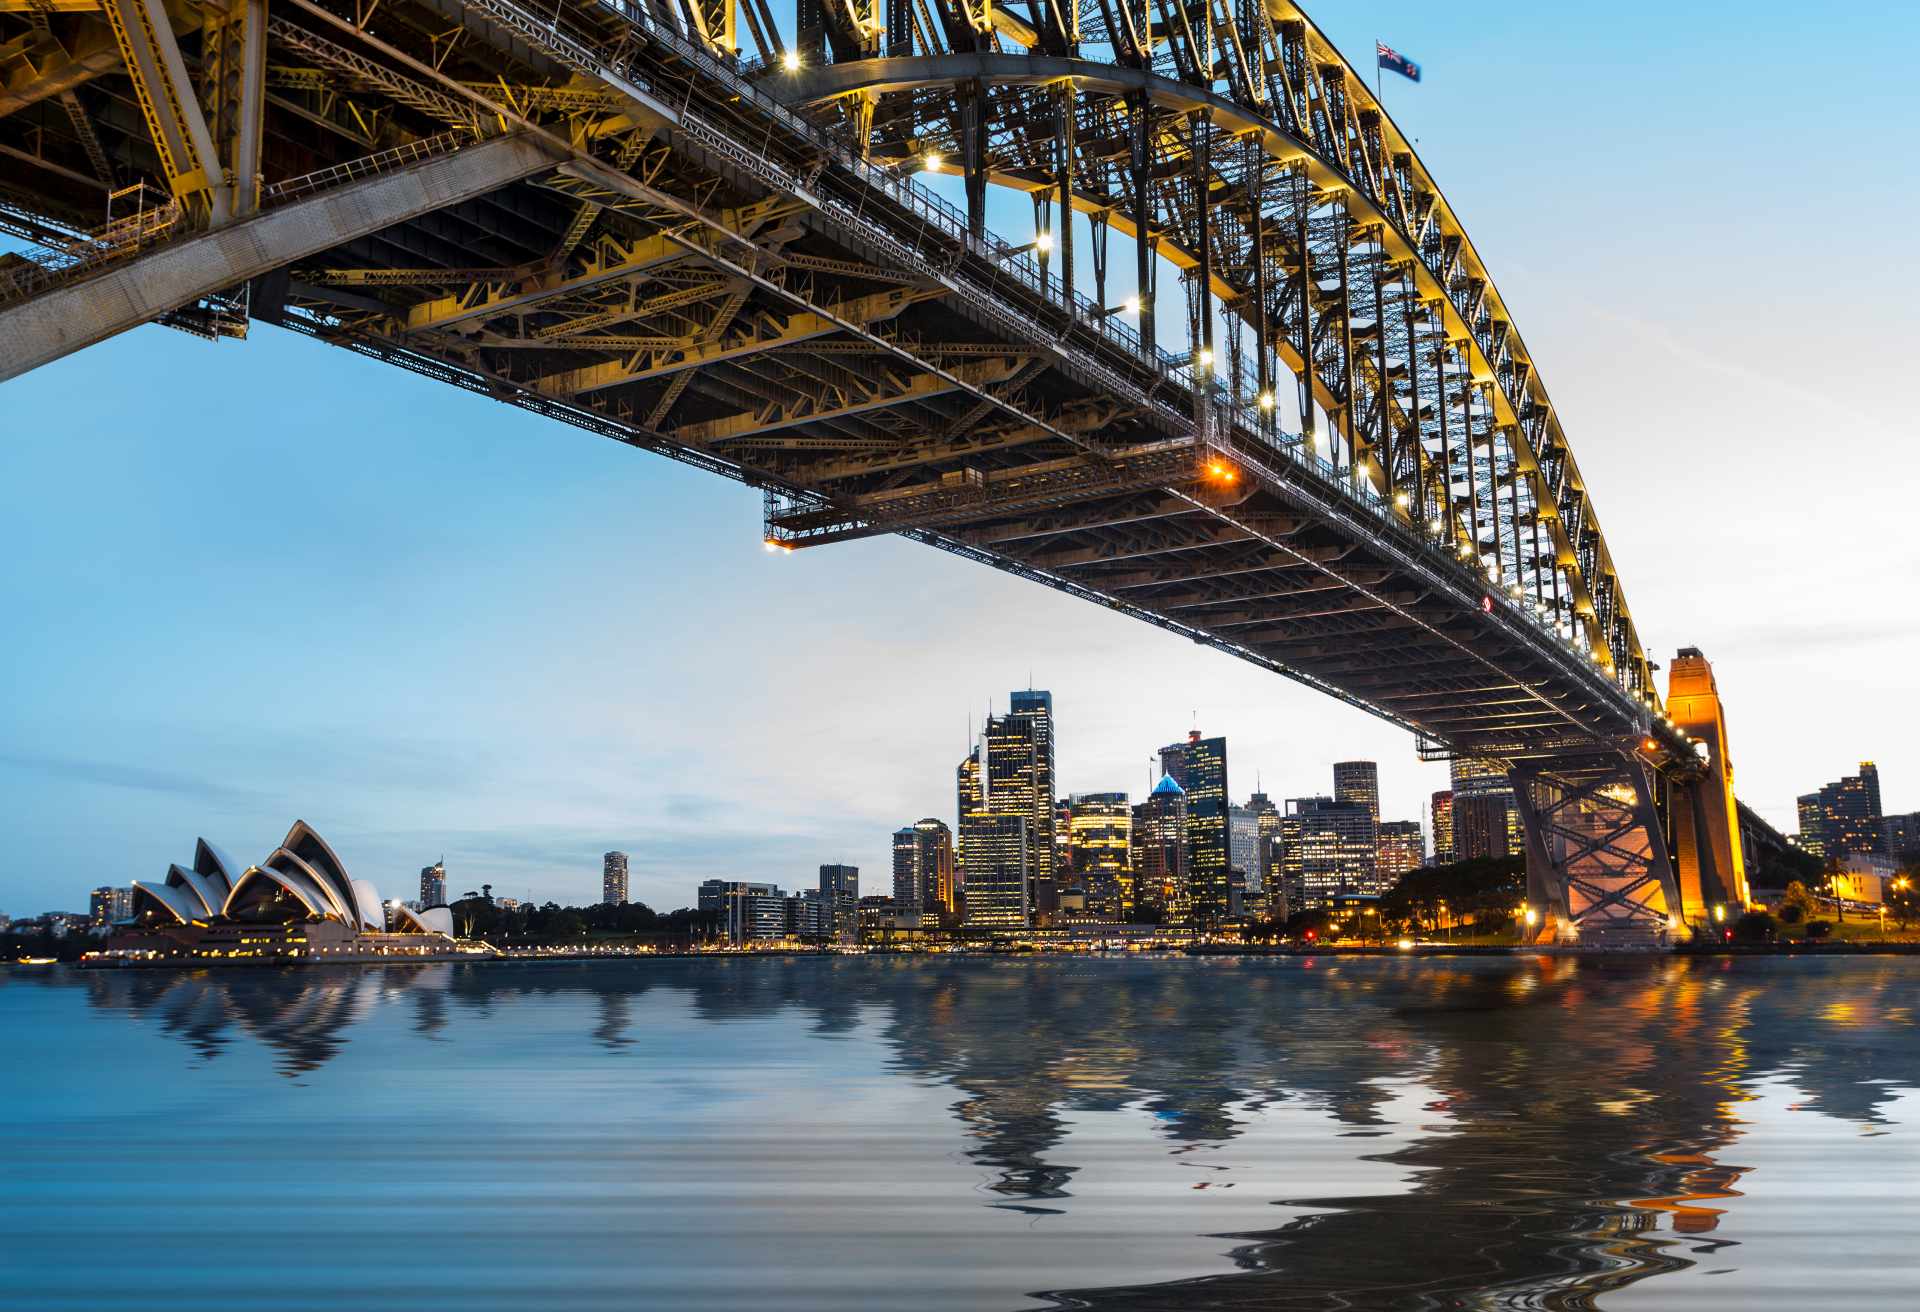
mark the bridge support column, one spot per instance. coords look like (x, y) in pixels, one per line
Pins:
(1598, 870)
(1702, 810)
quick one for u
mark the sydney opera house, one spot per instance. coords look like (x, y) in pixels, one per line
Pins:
(297, 905)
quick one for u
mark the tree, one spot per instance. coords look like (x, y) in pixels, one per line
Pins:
(1903, 898)
(1797, 899)
(1754, 927)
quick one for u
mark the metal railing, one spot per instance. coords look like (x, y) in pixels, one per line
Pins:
(92, 251)
(365, 166)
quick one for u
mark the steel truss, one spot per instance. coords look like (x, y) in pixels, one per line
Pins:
(1349, 474)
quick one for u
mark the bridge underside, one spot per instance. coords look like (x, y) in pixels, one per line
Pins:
(600, 221)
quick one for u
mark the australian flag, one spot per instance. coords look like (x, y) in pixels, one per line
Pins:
(1395, 62)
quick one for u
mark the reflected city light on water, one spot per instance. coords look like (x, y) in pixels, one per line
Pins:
(965, 1133)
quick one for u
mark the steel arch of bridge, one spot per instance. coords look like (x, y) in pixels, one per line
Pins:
(601, 214)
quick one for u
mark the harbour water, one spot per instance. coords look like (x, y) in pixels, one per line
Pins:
(954, 1133)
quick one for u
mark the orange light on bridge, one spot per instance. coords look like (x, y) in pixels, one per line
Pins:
(1649, 745)
(1225, 473)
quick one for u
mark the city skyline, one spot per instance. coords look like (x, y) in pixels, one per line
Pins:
(421, 711)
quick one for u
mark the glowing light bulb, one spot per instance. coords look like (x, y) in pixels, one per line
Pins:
(791, 61)
(1043, 241)
(1402, 500)
(1206, 357)
(932, 161)
(1133, 305)
(1266, 400)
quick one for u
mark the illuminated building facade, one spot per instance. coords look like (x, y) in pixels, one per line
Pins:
(1903, 837)
(1484, 825)
(613, 879)
(840, 900)
(1328, 847)
(923, 868)
(1160, 850)
(433, 885)
(1243, 850)
(1358, 783)
(968, 801)
(1267, 816)
(1402, 848)
(1011, 784)
(299, 905)
(998, 879)
(1204, 896)
(1844, 816)
(1443, 826)
(1100, 851)
(747, 910)
(108, 905)
(1033, 708)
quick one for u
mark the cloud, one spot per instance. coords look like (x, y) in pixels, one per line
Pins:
(110, 774)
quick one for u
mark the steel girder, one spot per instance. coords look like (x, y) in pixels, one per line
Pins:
(672, 281)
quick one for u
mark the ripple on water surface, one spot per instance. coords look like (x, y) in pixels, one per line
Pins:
(965, 1133)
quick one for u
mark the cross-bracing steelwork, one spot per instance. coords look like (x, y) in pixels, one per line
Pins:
(718, 230)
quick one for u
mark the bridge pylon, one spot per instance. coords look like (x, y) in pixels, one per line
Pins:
(1702, 813)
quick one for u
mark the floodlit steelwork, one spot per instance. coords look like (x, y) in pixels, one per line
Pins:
(670, 223)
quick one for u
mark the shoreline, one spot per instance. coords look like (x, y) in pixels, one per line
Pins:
(1344, 950)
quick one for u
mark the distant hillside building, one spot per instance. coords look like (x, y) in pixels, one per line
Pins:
(1844, 816)
(613, 879)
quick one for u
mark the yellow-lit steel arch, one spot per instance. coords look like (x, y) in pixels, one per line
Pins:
(1385, 184)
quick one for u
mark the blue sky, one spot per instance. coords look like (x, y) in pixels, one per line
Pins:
(252, 581)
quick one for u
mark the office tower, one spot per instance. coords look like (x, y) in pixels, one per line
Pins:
(806, 915)
(1328, 847)
(613, 879)
(433, 885)
(1160, 851)
(1484, 826)
(969, 801)
(1358, 782)
(840, 900)
(1034, 707)
(1198, 767)
(923, 868)
(1844, 816)
(1442, 827)
(1402, 848)
(1271, 846)
(1100, 851)
(1243, 846)
(1902, 841)
(109, 906)
(1063, 872)
(747, 910)
(1476, 774)
(997, 889)
(1010, 783)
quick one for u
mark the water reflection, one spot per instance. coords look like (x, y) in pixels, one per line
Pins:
(1581, 1126)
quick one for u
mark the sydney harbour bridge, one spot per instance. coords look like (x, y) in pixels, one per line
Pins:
(757, 239)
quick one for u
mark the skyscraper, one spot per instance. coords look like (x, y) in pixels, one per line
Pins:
(840, 900)
(1035, 707)
(1483, 825)
(1160, 850)
(1011, 764)
(1100, 833)
(1358, 782)
(108, 905)
(1243, 846)
(1402, 848)
(1443, 826)
(1844, 816)
(923, 868)
(613, 879)
(1271, 847)
(968, 801)
(433, 885)
(1199, 768)
(1328, 847)
(997, 887)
